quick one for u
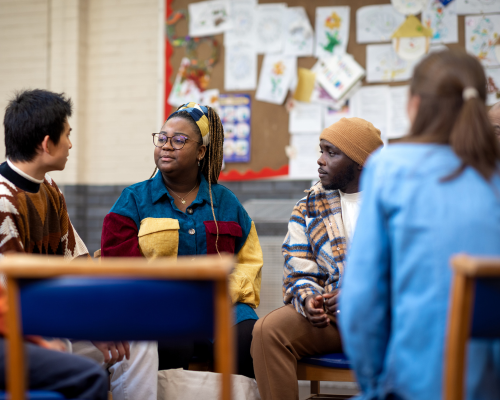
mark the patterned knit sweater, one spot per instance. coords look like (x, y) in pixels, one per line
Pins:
(33, 219)
(314, 247)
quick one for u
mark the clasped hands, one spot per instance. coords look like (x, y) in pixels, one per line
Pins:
(113, 352)
(316, 308)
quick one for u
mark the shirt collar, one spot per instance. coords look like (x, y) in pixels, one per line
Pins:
(17, 179)
(159, 190)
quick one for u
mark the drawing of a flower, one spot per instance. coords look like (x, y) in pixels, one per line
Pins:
(279, 68)
(333, 21)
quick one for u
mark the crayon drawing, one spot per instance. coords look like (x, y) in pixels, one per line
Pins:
(332, 31)
(275, 78)
(493, 86)
(384, 65)
(477, 6)
(377, 23)
(270, 28)
(443, 21)
(481, 33)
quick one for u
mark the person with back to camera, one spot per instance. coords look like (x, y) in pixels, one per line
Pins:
(183, 211)
(434, 195)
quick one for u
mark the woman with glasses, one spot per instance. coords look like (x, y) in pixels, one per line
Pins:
(182, 211)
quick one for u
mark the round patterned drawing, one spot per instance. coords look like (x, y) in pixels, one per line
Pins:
(269, 29)
(240, 65)
(409, 7)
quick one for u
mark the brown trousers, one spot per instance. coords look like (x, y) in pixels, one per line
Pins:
(280, 339)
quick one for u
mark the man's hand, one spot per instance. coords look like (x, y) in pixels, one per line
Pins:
(113, 352)
(332, 301)
(313, 307)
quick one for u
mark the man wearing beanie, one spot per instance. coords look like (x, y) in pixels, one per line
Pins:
(319, 231)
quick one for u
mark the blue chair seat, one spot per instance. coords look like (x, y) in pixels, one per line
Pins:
(332, 360)
(38, 395)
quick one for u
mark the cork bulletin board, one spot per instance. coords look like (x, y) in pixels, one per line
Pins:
(269, 122)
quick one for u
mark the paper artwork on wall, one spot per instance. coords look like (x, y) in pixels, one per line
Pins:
(477, 6)
(235, 114)
(332, 30)
(299, 35)
(305, 117)
(270, 28)
(331, 115)
(493, 87)
(411, 40)
(481, 34)
(240, 67)
(306, 80)
(303, 153)
(384, 65)
(210, 98)
(377, 23)
(409, 7)
(208, 18)
(275, 77)
(496, 47)
(243, 20)
(442, 20)
(185, 88)
(398, 123)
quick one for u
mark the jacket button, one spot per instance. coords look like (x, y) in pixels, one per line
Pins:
(191, 231)
(189, 210)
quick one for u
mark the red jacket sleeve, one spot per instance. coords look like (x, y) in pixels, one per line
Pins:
(119, 237)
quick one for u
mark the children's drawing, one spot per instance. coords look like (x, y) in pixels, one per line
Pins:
(299, 36)
(481, 34)
(270, 28)
(477, 6)
(411, 40)
(187, 85)
(209, 17)
(332, 31)
(377, 23)
(210, 98)
(409, 7)
(493, 86)
(275, 77)
(240, 66)
(384, 65)
(443, 21)
(243, 19)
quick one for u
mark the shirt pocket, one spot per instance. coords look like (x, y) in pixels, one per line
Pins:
(228, 232)
(159, 237)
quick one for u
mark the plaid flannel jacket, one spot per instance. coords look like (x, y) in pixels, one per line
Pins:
(314, 247)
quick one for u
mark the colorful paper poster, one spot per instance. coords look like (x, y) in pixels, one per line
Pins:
(187, 87)
(270, 28)
(299, 35)
(303, 153)
(332, 31)
(477, 6)
(338, 74)
(243, 20)
(411, 40)
(235, 114)
(305, 117)
(210, 98)
(240, 67)
(377, 23)
(481, 33)
(493, 88)
(442, 20)
(409, 7)
(321, 96)
(384, 65)
(275, 78)
(208, 18)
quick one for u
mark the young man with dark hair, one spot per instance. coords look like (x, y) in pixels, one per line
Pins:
(34, 219)
(320, 229)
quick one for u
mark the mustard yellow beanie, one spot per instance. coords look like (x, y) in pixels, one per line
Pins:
(356, 137)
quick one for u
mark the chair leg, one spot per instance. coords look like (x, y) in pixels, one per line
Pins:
(315, 387)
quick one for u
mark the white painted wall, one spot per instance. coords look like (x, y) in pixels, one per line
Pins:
(107, 55)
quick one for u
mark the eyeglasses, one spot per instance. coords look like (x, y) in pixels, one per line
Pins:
(177, 141)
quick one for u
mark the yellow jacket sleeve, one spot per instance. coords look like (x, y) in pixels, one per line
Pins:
(245, 280)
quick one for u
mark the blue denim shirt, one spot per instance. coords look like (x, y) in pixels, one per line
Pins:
(396, 289)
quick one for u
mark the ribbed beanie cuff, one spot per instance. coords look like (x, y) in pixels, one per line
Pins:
(356, 137)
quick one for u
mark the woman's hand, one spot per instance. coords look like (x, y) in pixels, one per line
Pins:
(113, 352)
(313, 308)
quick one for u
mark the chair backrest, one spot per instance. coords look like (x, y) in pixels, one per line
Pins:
(476, 285)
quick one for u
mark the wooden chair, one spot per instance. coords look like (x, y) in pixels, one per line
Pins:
(328, 367)
(142, 288)
(476, 287)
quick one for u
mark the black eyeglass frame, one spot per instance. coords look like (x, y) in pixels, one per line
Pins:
(185, 140)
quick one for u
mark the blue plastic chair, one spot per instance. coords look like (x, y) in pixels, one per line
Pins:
(332, 367)
(51, 297)
(476, 287)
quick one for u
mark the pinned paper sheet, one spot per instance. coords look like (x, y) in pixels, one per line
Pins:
(270, 28)
(481, 34)
(305, 117)
(185, 89)
(210, 98)
(235, 118)
(208, 18)
(243, 21)
(331, 116)
(240, 67)
(303, 153)
(411, 40)
(465, 7)
(384, 65)
(398, 123)
(442, 21)
(332, 30)
(299, 35)
(409, 7)
(377, 23)
(496, 47)
(275, 77)
(493, 87)
(305, 85)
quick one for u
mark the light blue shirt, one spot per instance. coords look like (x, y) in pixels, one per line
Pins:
(396, 289)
